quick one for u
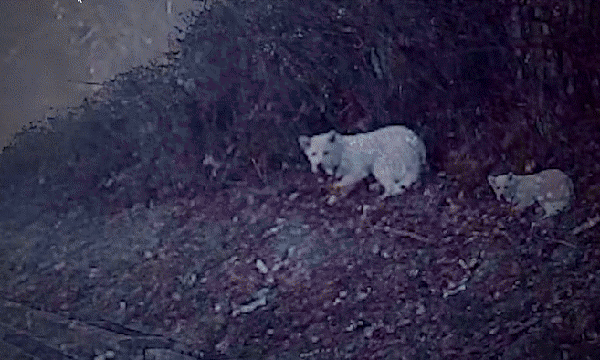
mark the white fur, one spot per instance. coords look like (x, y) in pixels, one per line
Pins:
(551, 188)
(394, 155)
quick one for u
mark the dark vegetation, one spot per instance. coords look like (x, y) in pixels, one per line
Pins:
(492, 87)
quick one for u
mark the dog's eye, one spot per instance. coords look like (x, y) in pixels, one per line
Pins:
(314, 153)
(325, 152)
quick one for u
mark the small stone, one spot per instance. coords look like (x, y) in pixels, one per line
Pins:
(262, 267)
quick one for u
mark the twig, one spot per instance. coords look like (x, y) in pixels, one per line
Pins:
(261, 176)
(405, 233)
(590, 223)
(566, 243)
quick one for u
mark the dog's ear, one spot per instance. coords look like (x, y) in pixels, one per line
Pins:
(333, 136)
(304, 142)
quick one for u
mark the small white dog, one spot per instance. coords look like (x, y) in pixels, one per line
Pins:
(551, 188)
(394, 155)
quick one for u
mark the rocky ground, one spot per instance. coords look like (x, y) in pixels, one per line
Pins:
(131, 231)
(276, 273)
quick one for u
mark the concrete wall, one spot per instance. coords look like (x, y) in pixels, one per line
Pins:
(49, 49)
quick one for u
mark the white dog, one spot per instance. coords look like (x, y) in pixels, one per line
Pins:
(394, 155)
(551, 188)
